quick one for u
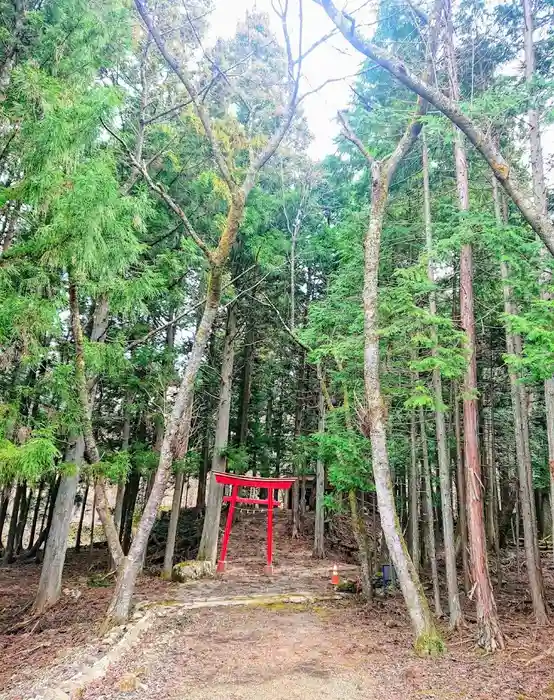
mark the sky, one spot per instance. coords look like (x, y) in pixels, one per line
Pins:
(332, 60)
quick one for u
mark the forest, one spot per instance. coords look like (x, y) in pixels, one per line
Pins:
(186, 290)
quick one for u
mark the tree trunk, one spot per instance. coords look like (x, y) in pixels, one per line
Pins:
(246, 385)
(175, 512)
(534, 572)
(413, 486)
(427, 639)
(46, 506)
(455, 610)
(461, 486)
(4, 503)
(298, 421)
(35, 516)
(210, 531)
(84, 395)
(172, 527)
(429, 519)
(319, 534)
(489, 634)
(541, 202)
(120, 603)
(23, 513)
(362, 541)
(204, 469)
(129, 505)
(10, 542)
(549, 399)
(125, 439)
(81, 519)
(92, 514)
(50, 584)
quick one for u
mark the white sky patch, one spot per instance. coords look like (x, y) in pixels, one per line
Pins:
(332, 60)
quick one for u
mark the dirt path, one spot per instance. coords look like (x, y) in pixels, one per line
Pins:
(310, 650)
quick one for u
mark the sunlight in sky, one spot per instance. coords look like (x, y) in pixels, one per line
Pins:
(332, 60)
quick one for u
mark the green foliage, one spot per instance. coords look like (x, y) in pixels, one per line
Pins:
(190, 464)
(115, 466)
(30, 461)
(237, 459)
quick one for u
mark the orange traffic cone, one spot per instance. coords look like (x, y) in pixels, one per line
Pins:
(335, 576)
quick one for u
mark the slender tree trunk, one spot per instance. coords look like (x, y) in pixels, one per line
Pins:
(489, 633)
(35, 515)
(490, 636)
(429, 519)
(246, 385)
(47, 505)
(204, 469)
(83, 392)
(549, 407)
(50, 584)
(210, 531)
(92, 525)
(125, 438)
(362, 541)
(173, 522)
(298, 421)
(35, 549)
(129, 505)
(81, 519)
(455, 610)
(427, 639)
(534, 572)
(461, 486)
(10, 542)
(4, 503)
(413, 487)
(120, 603)
(319, 535)
(174, 517)
(23, 513)
(541, 202)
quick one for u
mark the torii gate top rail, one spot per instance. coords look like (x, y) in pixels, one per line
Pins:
(271, 484)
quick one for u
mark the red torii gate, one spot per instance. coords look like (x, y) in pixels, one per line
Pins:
(236, 482)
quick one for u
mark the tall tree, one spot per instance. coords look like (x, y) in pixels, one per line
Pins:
(490, 636)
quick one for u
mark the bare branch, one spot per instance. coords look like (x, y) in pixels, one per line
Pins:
(213, 63)
(188, 311)
(407, 141)
(538, 221)
(313, 47)
(329, 81)
(185, 79)
(351, 136)
(158, 188)
(278, 135)
(285, 325)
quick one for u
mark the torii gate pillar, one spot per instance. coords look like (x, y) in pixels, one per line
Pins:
(236, 482)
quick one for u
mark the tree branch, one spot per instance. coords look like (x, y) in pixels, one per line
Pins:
(189, 311)
(171, 203)
(538, 221)
(185, 79)
(349, 135)
(278, 135)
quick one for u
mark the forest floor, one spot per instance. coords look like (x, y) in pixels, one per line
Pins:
(315, 648)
